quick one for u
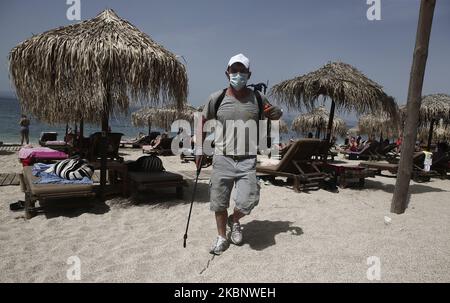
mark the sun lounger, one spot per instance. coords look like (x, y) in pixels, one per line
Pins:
(144, 181)
(368, 152)
(50, 139)
(30, 155)
(47, 136)
(188, 156)
(441, 164)
(163, 148)
(418, 173)
(112, 149)
(137, 142)
(323, 152)
(41, 192)
(298, 165)
(387, 152)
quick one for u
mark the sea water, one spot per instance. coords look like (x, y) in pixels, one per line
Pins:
(10, 131)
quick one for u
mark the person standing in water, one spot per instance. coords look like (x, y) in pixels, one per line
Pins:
(24, 129)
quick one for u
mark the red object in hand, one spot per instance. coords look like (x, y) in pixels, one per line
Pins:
(267, 106)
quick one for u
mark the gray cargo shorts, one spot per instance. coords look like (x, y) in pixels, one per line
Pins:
(227, 173)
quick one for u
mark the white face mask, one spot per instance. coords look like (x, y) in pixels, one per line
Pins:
(238, 80)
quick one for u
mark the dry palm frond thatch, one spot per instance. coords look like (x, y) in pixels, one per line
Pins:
(317, 119)
(354, 131)
(95, 67)
(161, 117)
(441, 132)
(283, 127)
(432, 108)
(342, 83)
(378, 124)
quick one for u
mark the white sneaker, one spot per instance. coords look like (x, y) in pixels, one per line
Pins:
(236, 231)
(219, 246)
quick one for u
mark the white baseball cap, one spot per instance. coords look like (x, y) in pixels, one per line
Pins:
(241, 59)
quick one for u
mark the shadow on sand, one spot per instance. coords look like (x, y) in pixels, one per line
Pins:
(164, 198)
(6, 153)
(389, 188)
(261, 234)
(74, 208)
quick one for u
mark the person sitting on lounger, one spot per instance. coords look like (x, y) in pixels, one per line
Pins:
(353, 146)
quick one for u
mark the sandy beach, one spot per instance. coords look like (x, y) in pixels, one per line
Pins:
(318, 236)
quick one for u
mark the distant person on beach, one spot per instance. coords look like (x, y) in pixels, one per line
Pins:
(358, 140)
(398, 143)
(24, 129)
(353, 145)
(310, 135)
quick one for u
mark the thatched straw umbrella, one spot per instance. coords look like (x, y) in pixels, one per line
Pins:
(441, 132)
(378, 124)
(317, 120)
(433, 108)
(284, 128)
(347, 88)
(161, 117)
(92, 69)
(354, 131)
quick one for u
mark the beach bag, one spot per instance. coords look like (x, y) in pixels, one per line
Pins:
(72, 169)
(150, 163)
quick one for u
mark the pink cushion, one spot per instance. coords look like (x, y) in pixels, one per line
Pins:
(55, 143)
(41, 153)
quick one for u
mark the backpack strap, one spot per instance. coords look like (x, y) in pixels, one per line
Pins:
(219, 101)
(260, 103)
(222, 96)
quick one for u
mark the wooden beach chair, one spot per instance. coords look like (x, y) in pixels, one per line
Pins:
(151, 175)
(162, 148)
(387, 152)
(299, 166)
(112, 149)
(146, 181)
(441, 164)
(47, 136)
(418, 173)
(50, 139)
(323, 152)
(42, 192)
(368, 152)
(137, 142)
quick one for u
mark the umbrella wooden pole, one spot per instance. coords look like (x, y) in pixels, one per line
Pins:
(103, 143)
(400, 197)
(430, 135)
(149, 128)
(81, 133)
(330, 121)
(81, 127)
(103, 147)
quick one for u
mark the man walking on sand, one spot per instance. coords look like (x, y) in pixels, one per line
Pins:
(231, 166)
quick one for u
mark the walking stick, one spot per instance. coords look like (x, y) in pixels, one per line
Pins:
(199, 168)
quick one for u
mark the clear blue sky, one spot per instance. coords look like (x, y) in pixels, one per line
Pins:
(283, 39)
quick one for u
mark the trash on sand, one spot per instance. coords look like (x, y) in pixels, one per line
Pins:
(387, 220)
